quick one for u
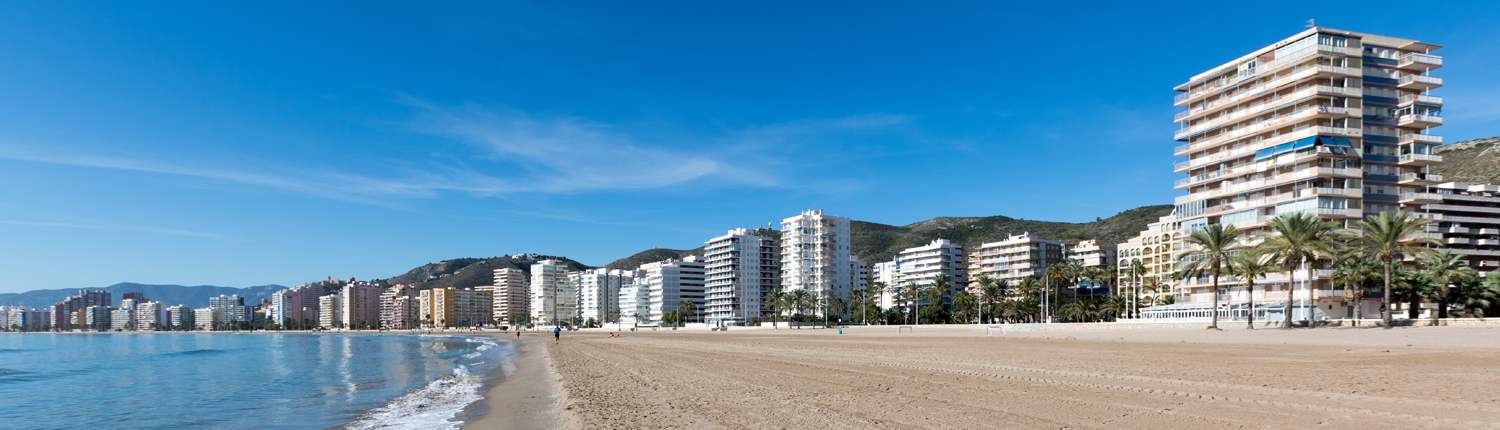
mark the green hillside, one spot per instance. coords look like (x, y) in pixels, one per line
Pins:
(874, 242)
(1474, 161)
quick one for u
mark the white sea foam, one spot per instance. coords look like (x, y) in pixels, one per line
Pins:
(434, 406)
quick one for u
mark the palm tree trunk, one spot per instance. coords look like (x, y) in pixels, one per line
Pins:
(1250, 294)
(1215, 311)
(1291, 293)
(1385, 297)
(1443, 299)
(1359, 296)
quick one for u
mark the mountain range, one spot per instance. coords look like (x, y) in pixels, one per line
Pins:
(195, 296)
(1474, 161)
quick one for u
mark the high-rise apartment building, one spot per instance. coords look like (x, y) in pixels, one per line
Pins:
(63, 313)
(361, 305)
(669, 283)
(553, 298)
(1327, 122)
(741, 268)
(150, 316)
(815, 254)
(331, 311)
(599, 292)
(398, 307)
(296, 307)
(635, 300)
(1467, 218)
(123, 318)
(452, 307)
(512, 295)
(859, 273)
(180, 317)
(1016, 258)
(208, 319)
(921, 265)
(96, 317)
(884, 279)
(233, 307)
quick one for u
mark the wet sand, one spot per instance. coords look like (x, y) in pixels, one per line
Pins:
(957, 377)
(529, 397)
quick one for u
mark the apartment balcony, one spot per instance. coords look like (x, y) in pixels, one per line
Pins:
(1489, 231)
(1419, 160)
(1419, 178)
(1290, 177)
(1421, 198)
(1487, 242)
(1416, 120)
(1458, 241)
(1420, 138)
(1420, 83)
(1420, 62)
(1421, 98)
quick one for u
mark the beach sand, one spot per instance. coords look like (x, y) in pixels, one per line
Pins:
(530, 396)
(957, 377)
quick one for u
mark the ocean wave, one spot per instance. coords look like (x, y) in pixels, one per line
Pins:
(3, 350)
(197, 352)
(435, 405)
(9, 372)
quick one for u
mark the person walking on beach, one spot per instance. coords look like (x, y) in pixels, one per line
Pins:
(556, 334)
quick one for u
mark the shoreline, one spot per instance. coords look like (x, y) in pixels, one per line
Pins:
(528, 394)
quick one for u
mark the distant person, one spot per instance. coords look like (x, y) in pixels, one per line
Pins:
(518, 334)
(556, 335)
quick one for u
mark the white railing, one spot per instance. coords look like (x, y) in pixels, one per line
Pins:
(1421, 157)
(1431, 177)
(1424, 138)
(1415, 58)
(1258, 87)
(1421, 196)
(1421, 98)
(1255, 127)
(1420, 117)
(1434, 80)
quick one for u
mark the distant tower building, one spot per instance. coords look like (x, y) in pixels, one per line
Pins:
(923, 264)
(150, 316)
(635, 299)
(331, 311)
(233, 307)
(398, 307)
(859, 271)
(361, 305)
(815, 254)
(553, 298)
(209, 318)
(180, 317)
(741, 268)
(452, 307)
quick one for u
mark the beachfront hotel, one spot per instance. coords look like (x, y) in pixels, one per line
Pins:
(815, 254)
(553, 298)
(1016, 258)
(741, 268)
(1327, 122)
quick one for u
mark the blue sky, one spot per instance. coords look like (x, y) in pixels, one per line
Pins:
(241, 144)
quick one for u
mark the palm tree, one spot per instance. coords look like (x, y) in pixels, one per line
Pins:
(1295, 239)
(1093, 274)
(1137, 268)
(1072, 312)
(967, 305)
(1250, 266)
(990, 292)
(942, 283)
(1216, 243)
(685, 310)
(777, 299)
(1413, 287)
(1114, 305)
(1389, 237)
(1447, 267)
(797, 301)
(1474, 295)
(1058, 273)
(1346, 262)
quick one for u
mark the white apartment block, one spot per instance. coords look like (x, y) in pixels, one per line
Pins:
(398, 307)
(741, 269)
(1016, 258)
(668, 283)
(921, 265)
(207, 318)
(553, 298)
(887, 274)
(815, 254)
(149, 313)
(599, 292)
(122, 318)
(635, 300)
(331, 311)
(859, 273)
(361, 305)
(1326, 122)
(511, 294)
(180, 317)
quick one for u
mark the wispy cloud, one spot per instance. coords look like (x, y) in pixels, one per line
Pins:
(516, 152)
(135, 229)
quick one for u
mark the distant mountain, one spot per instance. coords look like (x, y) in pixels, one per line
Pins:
(1474, 161)
(874, 242)
(196, 296)
(472, 272)
(660, 254)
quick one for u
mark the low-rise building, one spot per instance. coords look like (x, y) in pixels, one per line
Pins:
(1156, 249)
(1016, 258)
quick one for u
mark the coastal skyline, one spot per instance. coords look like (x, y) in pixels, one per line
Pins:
(174, 145)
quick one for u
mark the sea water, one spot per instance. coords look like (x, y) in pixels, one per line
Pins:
(241, 381)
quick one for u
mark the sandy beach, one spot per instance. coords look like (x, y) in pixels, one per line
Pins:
(957, 377)
(528, 396)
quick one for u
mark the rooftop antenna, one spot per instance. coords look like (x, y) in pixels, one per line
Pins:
(1310, 24)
